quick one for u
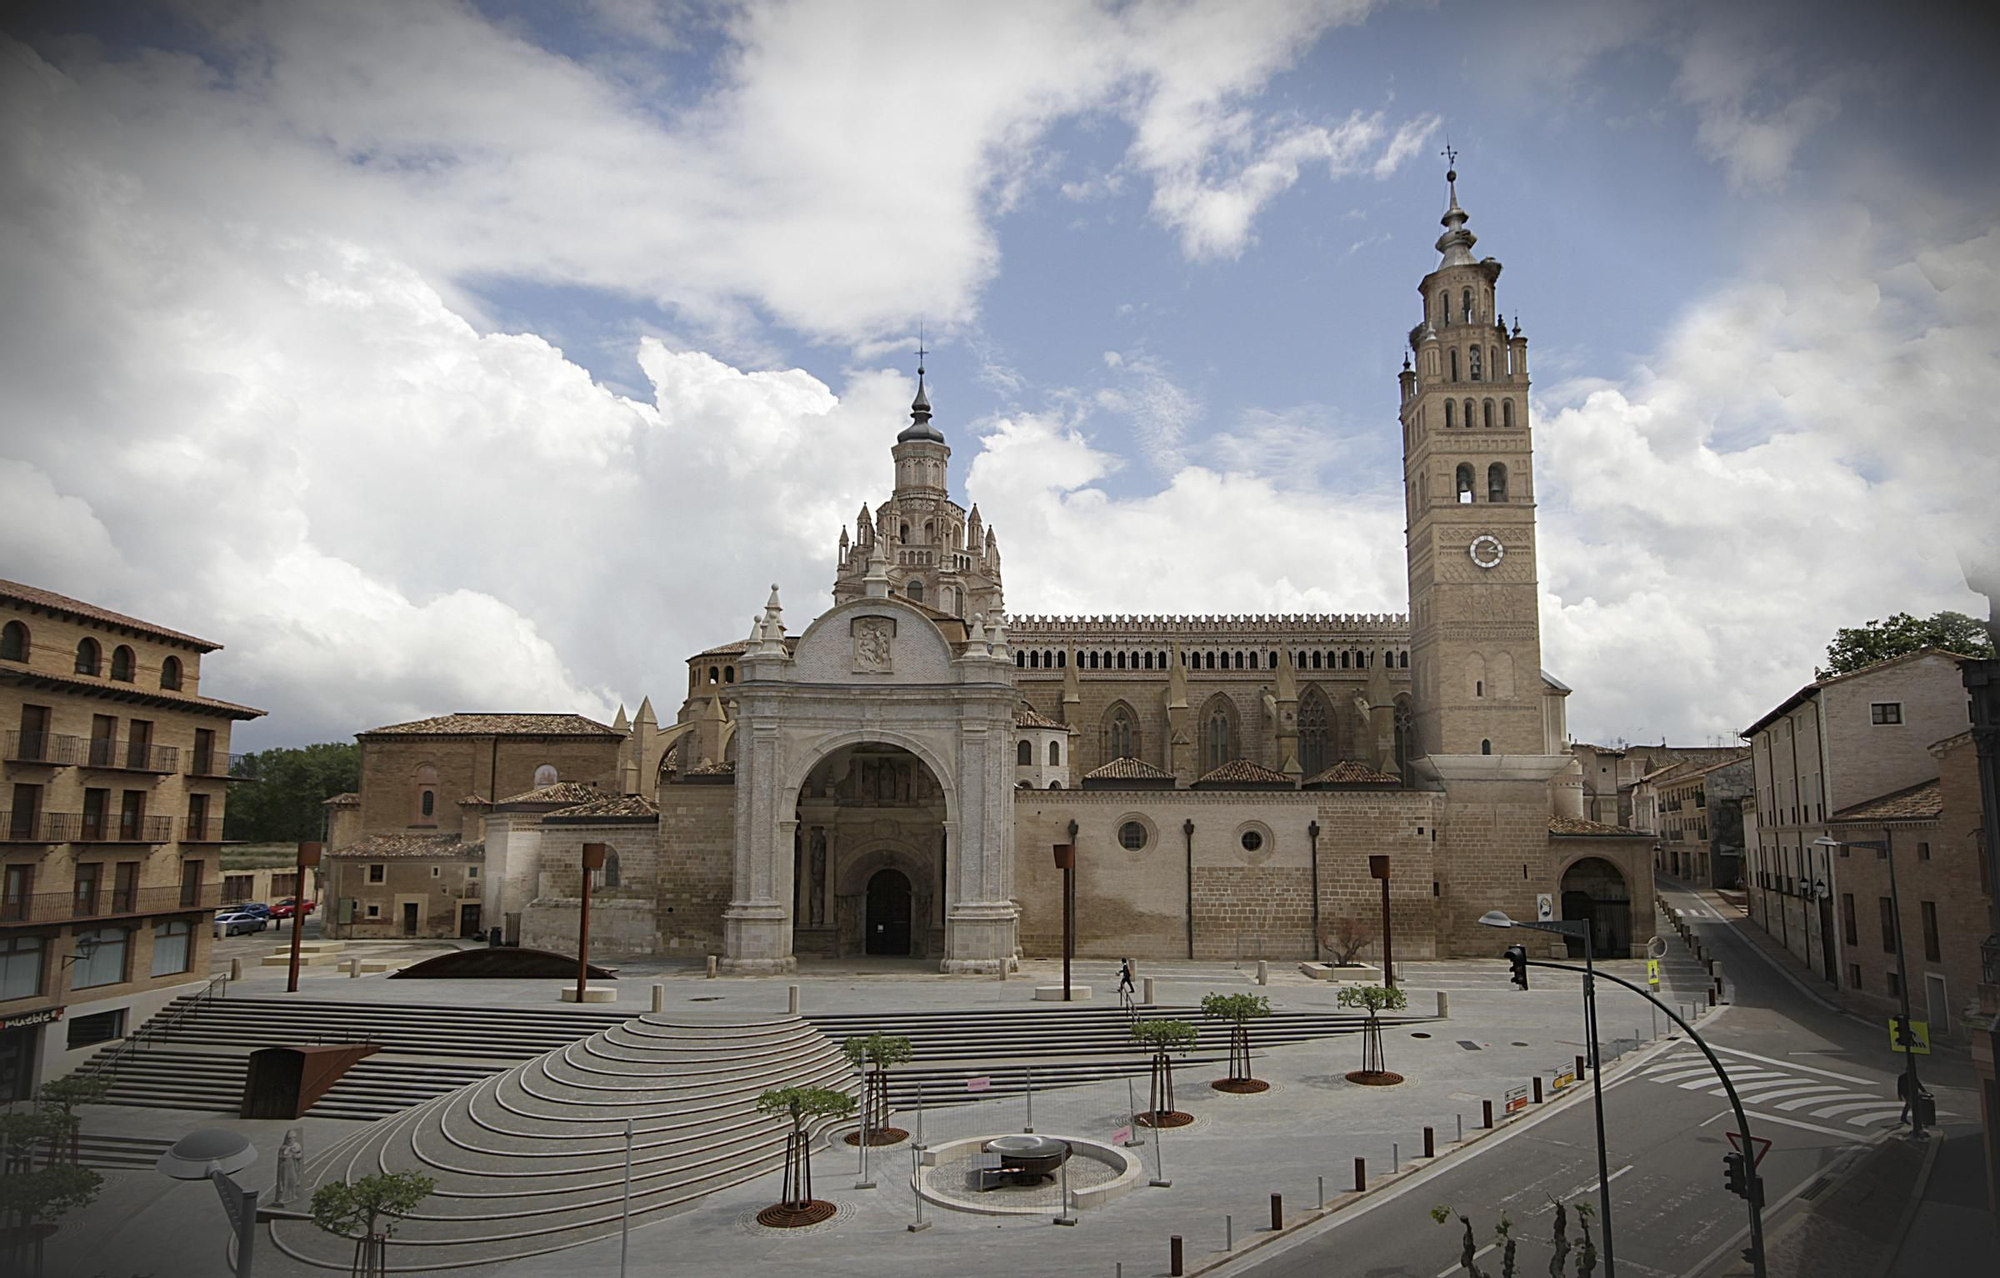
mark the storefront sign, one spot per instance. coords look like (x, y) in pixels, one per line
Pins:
(25, 1019)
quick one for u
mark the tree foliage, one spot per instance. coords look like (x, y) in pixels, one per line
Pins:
(1372, 998)
(879, 1050)
(1165, 1036)
(1350, 934)
(1239, 1008)
(1856, 646)
(802, 1103)
(370, 1205)
(284, 806)
(31, 1194)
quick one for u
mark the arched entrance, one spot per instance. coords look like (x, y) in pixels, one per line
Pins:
(1594, 891)
(888, 917)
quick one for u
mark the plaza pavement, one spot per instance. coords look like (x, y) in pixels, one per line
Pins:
(1313, 1123)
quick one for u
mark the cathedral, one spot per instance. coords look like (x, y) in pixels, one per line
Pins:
(891, 778)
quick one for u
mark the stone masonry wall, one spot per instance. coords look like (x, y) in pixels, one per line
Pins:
(696, 866)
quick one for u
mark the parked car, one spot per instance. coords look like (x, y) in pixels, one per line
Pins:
(234, 922)
(291, 905)
(257, 908)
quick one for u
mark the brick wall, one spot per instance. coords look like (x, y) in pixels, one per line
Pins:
(483, 765)
(695, 866)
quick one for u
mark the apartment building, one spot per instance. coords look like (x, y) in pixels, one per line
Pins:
(1612, 775)
(1699, 820)
(1818, 757)
(116, 774)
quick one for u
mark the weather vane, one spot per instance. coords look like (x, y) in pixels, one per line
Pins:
(1449, 153)
(921, 352)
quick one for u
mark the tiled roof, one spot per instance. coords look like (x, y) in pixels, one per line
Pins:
(562, 794)
(473, 800)
(1242, 772)
(724, 768)
(1914, 803)
(1870, 668)
(90, 612)
(609, 805)
(119, 690)
(1126, 770)
(1659, 773)
(465, 724)
(348, 800)
(411, 847)
(1578, 825)
(726, 650)
(1028, 717)
(1348, 772)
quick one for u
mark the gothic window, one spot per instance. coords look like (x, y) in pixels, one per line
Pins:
(1317, 747)
(1315, 661)
(1467, 297)
(1487, 409)
(1388, 660)
(1147, 658)
(905, 528)
(1062, 660)
(1464, 482)
(1253, 661)
(1121, 733)
(1346, 658)
(88, 656)
(1055, 754)
(1024, 755)
(1209, 662)
(1506, 412)
(1021, 660)
(1403, 660)
(1473, 356)
(14, 642)
(1444, 308)
(1485, 747)
(1468, 414)
(1048, 659)
(930, 531)
(1239, 661)
(1034, 660)
(1406, 736)
(1121, 660)
(1218, 734)
(915, 590)
(1454, 373)
(1496, 482)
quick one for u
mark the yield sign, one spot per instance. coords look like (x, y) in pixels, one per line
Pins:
(1761, 1144)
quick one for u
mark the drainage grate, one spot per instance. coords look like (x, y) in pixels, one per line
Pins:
(1468, 1045)
(1815, 1189)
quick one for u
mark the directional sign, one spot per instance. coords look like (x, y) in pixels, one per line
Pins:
(1565, 1077)
(1918, 1042)
(1761, 1144)
(1545, 907)
(1517, 1099)
(1653, 973)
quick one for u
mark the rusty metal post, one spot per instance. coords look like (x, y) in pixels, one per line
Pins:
(593, 860)
(1277, 1211)
(1378, 867)
(1174, 1265)
(1486, 1112)
(1360, 1175)
(1066, 862)
(1430, 1143)
(309, 854)
(1538, 1089)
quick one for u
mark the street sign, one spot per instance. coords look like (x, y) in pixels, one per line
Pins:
(1565, 1077)
(1761, 1144)
(983, 1083)
(1517, 1099)
(1545, 907)
(1653, 973)
(1919, 1042)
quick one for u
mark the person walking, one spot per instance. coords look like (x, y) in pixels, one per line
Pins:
(1124, 976)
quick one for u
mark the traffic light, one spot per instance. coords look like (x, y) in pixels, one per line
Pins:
(1517, 955)
(1735, 1176)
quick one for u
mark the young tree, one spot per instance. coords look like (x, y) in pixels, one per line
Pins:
(1585, 1252)
(880, 1051)
(1239, 1010)
(1160, 1038)
(1349, 935)
(61, 1096)
(367, 1210)
(1856, 646)
(31, 1198)
(801, 1105)
(1374, 999)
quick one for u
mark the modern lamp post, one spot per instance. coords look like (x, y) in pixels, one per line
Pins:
(593, 861)
(1576, 927)
(309, 854)
(212, 1154)
(1903, 1041)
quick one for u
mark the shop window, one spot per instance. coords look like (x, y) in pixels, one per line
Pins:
(100, 957)
(22, 961)
(172, 946)
(98, 1027)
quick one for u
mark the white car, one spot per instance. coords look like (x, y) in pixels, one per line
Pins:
(236, 922)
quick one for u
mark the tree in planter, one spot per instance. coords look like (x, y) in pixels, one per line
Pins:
(880, 1051)
(1160, 1038)
(1239, 1010)
(62, 1095)
(32, 1198)
(801, 1105)
(1585, 1252)
(1374, 999)
(367, 1210)
(1349, 935)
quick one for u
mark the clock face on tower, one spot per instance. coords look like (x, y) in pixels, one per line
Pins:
(1486, 550)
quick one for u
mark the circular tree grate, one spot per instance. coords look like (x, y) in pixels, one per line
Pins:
(1241, 1086)
(881, 1136)
(795, 1216)
(1169, 1118)
(1374, 1077)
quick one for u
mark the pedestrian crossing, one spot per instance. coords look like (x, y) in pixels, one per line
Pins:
(1778, 1088)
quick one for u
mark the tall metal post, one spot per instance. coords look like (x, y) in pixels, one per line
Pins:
(1597, 1097)
(625, 1211)
(309, 854)
(1903, 986)
(1066, 862)
(593, 860)
(1378, 867)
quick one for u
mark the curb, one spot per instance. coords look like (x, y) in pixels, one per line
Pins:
(1935, 1141)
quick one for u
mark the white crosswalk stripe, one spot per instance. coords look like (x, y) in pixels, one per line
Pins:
(1788, 1090)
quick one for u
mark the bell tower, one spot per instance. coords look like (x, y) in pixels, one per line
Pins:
(1468, 473)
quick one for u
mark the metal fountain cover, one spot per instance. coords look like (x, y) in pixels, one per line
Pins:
(1029, 1148)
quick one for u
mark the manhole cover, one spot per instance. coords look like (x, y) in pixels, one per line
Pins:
(707, 998)
(1419, 1034)
(1519, 1043)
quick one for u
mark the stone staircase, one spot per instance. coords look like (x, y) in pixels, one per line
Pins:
(531, 1160)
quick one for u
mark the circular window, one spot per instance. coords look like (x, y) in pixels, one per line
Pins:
(1132, 836)
(1252, 840)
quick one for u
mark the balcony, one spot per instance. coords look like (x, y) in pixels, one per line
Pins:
(90, 827)
(106, 903)
(106, 755)
(214, 765)
(44, 748)
(24, 826)
(205, 830)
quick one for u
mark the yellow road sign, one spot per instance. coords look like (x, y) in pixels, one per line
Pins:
(1653, 973)
(1919, 1043)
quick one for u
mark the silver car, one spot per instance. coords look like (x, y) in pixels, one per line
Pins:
(236, 922)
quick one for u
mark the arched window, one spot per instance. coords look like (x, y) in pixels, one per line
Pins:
(1454, 369)
(122, 663)
(1444, 309)
(1496, 482)
(905, 529)
(1475, 674)
(1464, 482)
(545, 775)
(1024, 755)
(1218, 734)
(1318, 749)
(729, 674)
(1148, 659)
(1021, 660)
(426, 796)
(1388, 660)
(930, 531)
(1467, 297)
(1253, 661)
(1403, 660)
(14, 642)
(1062, 658)
(1315, 661)
(1034, 660)
(1210, 663)
(1346, 659)
(1506, 413)
(915, 590)
(714, 676)
(1493, 361)
(1487, 410)
(1468, 414)
(1093, 661)
(1473, 356)
(1485, 747)
(1055, 785)
(1239, 661)
(1406, 736)
(1121, 733)
(1121, 660)
(608, 876)
(1449, 415)
(1055, 754)
(89, 656)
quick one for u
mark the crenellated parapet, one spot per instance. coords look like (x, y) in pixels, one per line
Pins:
(1111, 625)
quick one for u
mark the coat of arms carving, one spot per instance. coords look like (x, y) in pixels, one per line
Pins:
(874, 643)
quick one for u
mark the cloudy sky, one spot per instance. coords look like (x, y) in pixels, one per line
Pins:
(446, 356)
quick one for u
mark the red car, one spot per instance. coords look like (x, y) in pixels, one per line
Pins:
(289, 906)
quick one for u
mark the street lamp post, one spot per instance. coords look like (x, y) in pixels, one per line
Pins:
(1066, 862)
(1911, 1086)
(309, 854)
(211, 1154)
(1378, 868)
(593, 861)
(1569, 927)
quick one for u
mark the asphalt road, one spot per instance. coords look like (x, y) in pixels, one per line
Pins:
(1815, 1080)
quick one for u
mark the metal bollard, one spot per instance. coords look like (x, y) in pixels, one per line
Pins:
(1430, 1144)
(711, 967)
(1538, 1089)
(1277, 1211)
(792, 1002)
(1322, 1192)
(1174, 1266)
(1360, 1175)
(659, 998)
(1147, 983)
(1461, 1127)
(1444, 1005)
(1263, 972)
(1711, 998)
(1229, 1233)
(236, 969)
(1395, 1157)
(1486, 1109)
